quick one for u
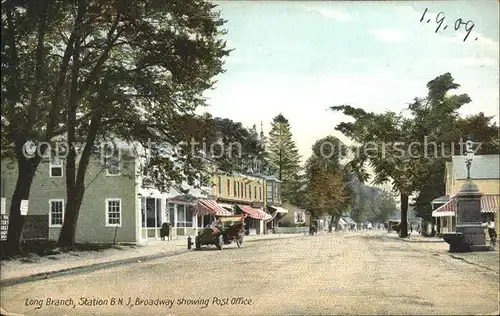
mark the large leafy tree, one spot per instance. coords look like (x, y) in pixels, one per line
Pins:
(123, 69)
(34, 73)
(380, 137)
(426, 136)
(237, 149)
(326, 178)
(284, 156)
(436, 120)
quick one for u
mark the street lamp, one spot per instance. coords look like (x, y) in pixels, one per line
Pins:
(469, 155)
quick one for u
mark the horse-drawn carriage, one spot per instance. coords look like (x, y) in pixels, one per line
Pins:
(228, 229)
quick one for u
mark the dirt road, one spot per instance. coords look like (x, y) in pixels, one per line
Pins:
(355, 273)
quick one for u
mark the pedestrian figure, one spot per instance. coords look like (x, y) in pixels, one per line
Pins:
(165, 231)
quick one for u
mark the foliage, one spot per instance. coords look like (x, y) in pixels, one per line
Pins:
(437, 121)
(240, 148)
(325, 189)
(102, 70)
(434, 124)
(283, 156)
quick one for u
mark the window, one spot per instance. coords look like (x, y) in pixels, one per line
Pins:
(269, 192)
(235, 188)
(112, 160)
(113, 212)
(219, 184)
(171, 213)
(56, 213)
(277, 191)
(241, 189)
(249, 191)
(255, 192)
(56, 168)
(260, 193)
(184, 216)
(228, 187)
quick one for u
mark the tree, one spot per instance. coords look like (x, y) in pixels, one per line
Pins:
(240, 148)
(436, 119)
(283, 155)
(325, 187)
(379, 204)
(34, 73)
(129, 70)
(433, 125)
(380, 137)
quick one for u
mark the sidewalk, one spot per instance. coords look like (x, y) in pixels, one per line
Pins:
(35, 267)
(488, 260)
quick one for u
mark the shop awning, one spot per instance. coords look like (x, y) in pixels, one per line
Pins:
(253, 212)
(447, 209)
(278, 209)
(206, 207)
(489, 204)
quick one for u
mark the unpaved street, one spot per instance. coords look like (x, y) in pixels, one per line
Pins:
(352, 273)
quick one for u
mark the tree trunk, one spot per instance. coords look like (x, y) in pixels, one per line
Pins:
(25, 175)
(310, 223)
(332, 220)
(404, 216)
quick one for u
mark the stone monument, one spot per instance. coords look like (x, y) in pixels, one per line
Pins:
(469, 235)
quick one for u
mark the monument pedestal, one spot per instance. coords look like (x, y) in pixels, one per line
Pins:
(469, 234)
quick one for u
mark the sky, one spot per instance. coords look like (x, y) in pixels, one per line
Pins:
(300, 58)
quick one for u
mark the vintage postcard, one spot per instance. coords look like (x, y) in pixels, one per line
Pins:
(198, 157)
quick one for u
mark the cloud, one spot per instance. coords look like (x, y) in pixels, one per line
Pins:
(337, 15)
(389, 35)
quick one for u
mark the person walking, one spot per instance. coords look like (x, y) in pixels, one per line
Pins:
(491, 229)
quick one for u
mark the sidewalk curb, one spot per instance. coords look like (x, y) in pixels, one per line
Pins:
(100, 266)
(85, 268)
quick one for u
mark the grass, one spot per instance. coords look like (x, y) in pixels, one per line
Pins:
(48, 248)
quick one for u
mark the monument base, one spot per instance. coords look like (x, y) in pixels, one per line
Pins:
(468, 238)
(473, 234)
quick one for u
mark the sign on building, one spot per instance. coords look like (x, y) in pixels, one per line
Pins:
(299, 217)
(3, 210)
(4, 226)
(24, 207)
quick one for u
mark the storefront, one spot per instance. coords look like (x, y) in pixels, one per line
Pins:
(254, 222)
(446, 221)
(187, 214)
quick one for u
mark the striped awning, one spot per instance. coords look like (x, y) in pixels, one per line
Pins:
(206, 207)
(253, 212)
(447, 209)
(489, 204)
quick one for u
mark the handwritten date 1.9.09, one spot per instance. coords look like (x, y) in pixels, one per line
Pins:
(459, 23)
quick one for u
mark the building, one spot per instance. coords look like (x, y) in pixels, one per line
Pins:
(485, 173)
(111, 207)
(118, 206)
(243, 194)
(273, 200)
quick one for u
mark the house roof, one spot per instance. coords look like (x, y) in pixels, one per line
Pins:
(482, 167)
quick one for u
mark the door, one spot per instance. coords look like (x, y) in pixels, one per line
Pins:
(151, 217)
